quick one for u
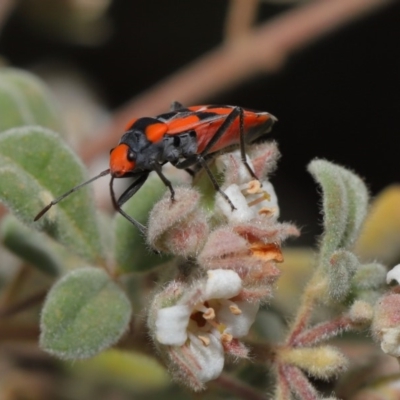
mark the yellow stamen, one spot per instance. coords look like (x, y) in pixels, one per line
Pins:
(226, 338)
(254, 187)
(209, 314)
(200, 307)
(265, 196)
(235, 310)
(213, 323)
(219, 327)
(204, 339)
(268, 211)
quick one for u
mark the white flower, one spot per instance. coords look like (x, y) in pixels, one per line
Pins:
(393, 275)
(204, 322)
(390, 341)
(250, 197)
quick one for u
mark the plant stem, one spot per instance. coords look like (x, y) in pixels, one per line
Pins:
(312, 292)
(323, 331)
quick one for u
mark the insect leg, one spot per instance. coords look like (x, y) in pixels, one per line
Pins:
(132, 189)
(158, 169)
(203, 163)
(230, 119)
(199, 159)
(190, 172)
(243, 146)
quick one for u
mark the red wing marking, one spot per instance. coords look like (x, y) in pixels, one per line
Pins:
(156, 131)
(190, 122)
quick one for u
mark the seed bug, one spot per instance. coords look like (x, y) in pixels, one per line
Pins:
(185, 136)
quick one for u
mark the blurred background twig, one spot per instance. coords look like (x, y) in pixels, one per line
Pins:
(264, 49)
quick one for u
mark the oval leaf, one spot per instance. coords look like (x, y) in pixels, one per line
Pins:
(25, 100)
(36, 248)
(343, 266)
(84, 313)
(33, 247)
(35, 167)
(358, 199)
(335, 204)
(370, 276)
(134, 371)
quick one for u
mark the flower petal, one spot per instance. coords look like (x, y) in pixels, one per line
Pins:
(222, 284)
(242, 211)
(210, 358)
(231, 164)
(171, 325)
(393, 274)
(390, 343)
(238, 325)
(270, 203)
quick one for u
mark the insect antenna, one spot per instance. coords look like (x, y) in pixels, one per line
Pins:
(74, 189)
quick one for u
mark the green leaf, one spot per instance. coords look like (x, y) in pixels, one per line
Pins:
(131, 370)
(35, 167)
(85, 312)
(358, 199)
(131, 252)
(25, 100)
(335, 204)
(36, 248)
(343, 265)
(370, 276)
(345, 202)
(31, 246)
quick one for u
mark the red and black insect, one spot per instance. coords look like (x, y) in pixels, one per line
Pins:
(184, 137)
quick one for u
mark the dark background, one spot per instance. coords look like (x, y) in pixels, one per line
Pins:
(338, 98)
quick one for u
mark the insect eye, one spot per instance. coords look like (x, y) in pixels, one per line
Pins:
(131, 155)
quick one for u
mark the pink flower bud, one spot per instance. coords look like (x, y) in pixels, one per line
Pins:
(179, 227)
(386, 323)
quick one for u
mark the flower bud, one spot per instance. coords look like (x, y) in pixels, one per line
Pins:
(179, 227)
(321, 362)
(386, 323)
(361, 312)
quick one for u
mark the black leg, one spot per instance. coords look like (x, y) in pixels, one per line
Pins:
(132, 189)
(243, 146)
(230, 119)
(237, 112)
(203, 163)
(187, 162)
(198, 159)
(158, 168)
(190, 172)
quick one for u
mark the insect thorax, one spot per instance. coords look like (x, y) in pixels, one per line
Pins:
(171, 148)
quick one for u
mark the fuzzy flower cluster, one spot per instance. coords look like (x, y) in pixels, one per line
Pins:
(198, 318)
